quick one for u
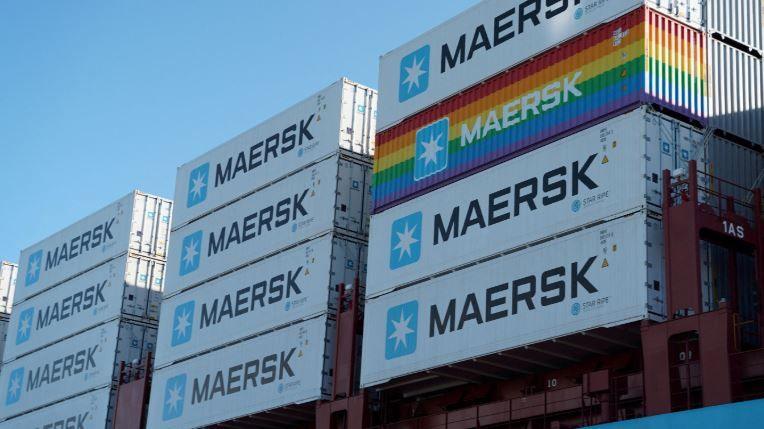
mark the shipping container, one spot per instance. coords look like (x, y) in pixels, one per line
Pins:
(8, 271)
(342, 116)
(79, 364)
(290, 366)
(294, 285)
(736, 91)
(642, 57)
(606, 275)
(92, 410)
(598, 173)
(746, 414)
(739, 20)
(126, 285)
(333, 194)
(137, 222)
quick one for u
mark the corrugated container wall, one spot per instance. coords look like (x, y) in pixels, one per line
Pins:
(8, 272)
(296, 284)
(4, 322)
(340, 117)
(736, 91)
(92, 410)
(330, 195)
(604, 171)
(92, 359)
(606, 275)
(126, 285)
(740, 20)
(137, 223)
(642, 57)
(292, 365)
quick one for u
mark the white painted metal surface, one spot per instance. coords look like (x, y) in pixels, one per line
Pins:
(331, 194)
(288, 366)
(124, 285)
(341, 116)
(598, 277)
(8, 271)
(138, 222)
(87, 361)
(480, 42)
(740, 20)
(736, 91)
(297, 284)
(87, 411)
(609, 169)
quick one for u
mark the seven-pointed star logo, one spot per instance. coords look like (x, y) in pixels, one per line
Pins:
(197, 185)
(431, 149)
(401, 332)
(175, 391)
(33, 268)
(25, 325)
(406, 240)
(414, 73)
(15, 382)
(182, 325)
(190, 254)
(431, 153)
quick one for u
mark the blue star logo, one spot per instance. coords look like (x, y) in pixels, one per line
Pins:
(24, 331)
(34, 264)
(197, 184)
(406, 241)
(415, 74)
(191, 254)
(174, 395)
(15, 384)
(182, 323)
(431, 154)
(401, 332)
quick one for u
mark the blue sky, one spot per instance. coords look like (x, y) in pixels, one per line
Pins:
(101, 97)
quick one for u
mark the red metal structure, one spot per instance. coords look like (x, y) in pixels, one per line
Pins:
(132, 397)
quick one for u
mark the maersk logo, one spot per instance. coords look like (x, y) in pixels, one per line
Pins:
(406, 241)
(182, 323)
(25, 325)
(14, 386)
(191, 253)
(400, 337)
(174, 396)
(431, 149)
(197, 185)
(33, 268)
(415, 74)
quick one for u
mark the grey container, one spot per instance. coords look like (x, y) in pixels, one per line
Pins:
(740, 20)
(736, 91)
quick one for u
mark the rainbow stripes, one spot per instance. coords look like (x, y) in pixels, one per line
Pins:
(638, 58)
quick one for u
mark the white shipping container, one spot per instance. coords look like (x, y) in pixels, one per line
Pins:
(331, 194)
(8, 271)
(290, 366)
(294, 285)
(601, 172)
(740, 20)
(85, 362)
(87, 411)
(341, 116)
(125, 285)
(138, 222)
(476, 44)
(602, 276)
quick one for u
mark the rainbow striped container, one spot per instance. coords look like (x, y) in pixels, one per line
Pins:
(642, 57)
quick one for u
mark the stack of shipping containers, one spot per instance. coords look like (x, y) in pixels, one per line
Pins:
(87, 301)
(8, 272)
(267, 225)
(517, 180)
